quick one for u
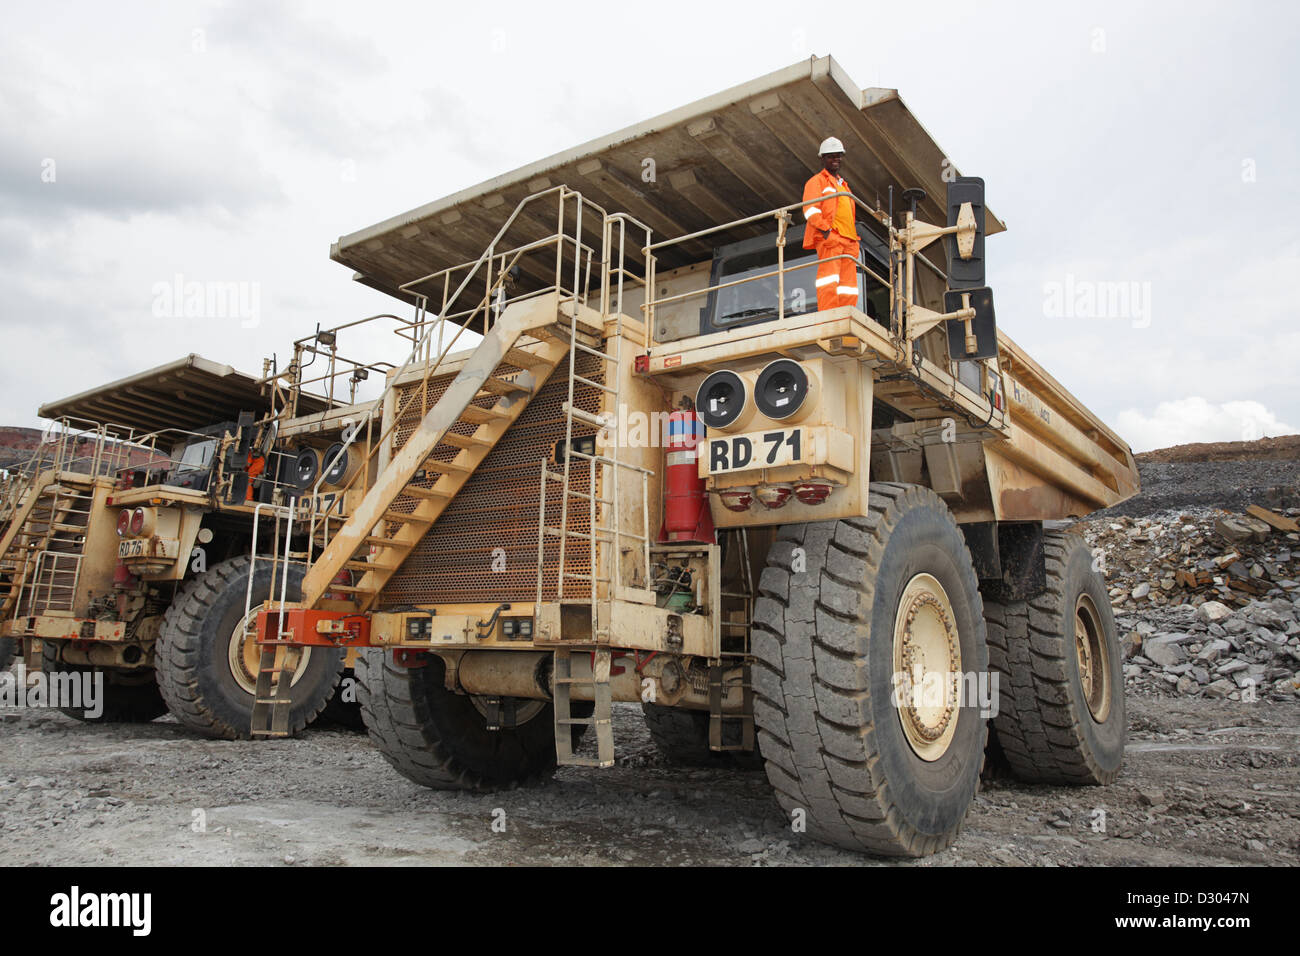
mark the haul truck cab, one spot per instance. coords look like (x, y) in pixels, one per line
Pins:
(131, 541)
(626, 460)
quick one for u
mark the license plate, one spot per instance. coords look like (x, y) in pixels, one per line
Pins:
(759, 450)
(130, 549)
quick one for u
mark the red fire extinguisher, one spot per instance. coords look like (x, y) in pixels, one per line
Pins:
(686, 508)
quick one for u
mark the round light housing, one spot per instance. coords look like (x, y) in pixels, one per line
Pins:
(773, 496)
(137, 520)
(737, 499)
(306, 467)
(782, 389)
(722, 401)
(340, 459)
(124, 523)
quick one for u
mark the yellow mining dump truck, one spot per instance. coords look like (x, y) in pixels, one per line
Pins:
(809, 536)
(134, 540)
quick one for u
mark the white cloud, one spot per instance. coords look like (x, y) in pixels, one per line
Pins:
(1194, 419)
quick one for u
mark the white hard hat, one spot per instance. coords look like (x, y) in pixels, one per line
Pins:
(830, 145)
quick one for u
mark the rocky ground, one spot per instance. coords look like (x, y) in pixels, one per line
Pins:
(1206, 782)
(1208, 611)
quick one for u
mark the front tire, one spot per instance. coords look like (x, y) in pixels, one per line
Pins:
(207, 671)
(837, 602)
(1062, 717)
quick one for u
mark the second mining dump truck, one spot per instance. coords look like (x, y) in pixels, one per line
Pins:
(819, 538)
(130, 541)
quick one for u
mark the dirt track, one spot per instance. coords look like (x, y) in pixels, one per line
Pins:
(1205, 783)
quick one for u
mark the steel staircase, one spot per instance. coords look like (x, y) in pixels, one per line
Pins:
(48, 513)
(392, 532)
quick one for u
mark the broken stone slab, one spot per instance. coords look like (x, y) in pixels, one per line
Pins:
(1242, 529)
(1164, 654)
(1211, 612)
(1171, 637)
(1272, 519)
(1212, 650)
(1220, 689)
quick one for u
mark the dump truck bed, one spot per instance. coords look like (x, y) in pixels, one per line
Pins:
(727, 156)
(187, 394)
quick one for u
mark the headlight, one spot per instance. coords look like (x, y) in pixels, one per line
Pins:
(307, 467)
(124, 523)
(722, 401)
(785, 389)
(137, 521)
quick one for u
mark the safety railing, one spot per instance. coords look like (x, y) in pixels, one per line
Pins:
(51, 584)
(568, 275)
(783, 220)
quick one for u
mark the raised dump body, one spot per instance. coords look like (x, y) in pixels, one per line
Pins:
(665, 474)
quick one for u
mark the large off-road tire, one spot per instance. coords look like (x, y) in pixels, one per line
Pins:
(129, 697)
(7, 650)
(1061, 716)
(682, 736)
(840, 604)
(439, 738)
(207, 673)
(341, 713)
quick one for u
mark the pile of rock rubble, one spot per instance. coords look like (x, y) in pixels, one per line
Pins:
(1207, 603)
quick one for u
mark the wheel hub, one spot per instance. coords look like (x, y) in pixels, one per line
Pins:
(927, 667)
(519, 712)
(1094, 658)
(245, 656)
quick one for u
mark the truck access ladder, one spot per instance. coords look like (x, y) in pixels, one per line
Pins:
(571, 669)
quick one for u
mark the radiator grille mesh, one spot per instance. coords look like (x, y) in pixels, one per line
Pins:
(498, 506)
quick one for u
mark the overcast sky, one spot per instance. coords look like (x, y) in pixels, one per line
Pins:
(1151, 145)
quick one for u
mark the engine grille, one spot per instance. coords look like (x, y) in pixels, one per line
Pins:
(498, 506)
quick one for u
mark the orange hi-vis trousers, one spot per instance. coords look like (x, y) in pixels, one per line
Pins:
(837, 279)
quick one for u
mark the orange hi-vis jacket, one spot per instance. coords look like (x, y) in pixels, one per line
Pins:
(834, 214)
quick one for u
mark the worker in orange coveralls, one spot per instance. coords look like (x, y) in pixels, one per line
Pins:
(831, 230)
(256, 465)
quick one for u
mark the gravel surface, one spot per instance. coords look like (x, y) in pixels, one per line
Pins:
(1205, 783)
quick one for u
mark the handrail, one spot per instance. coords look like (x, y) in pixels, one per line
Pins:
(423, 339)
(781, 214)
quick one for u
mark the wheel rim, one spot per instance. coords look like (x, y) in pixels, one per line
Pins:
(525, 710)
(245, 656)
(927, 667)
(1094, 658)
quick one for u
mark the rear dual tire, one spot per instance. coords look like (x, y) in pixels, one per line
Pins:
(1061, 717)
(438, 738)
